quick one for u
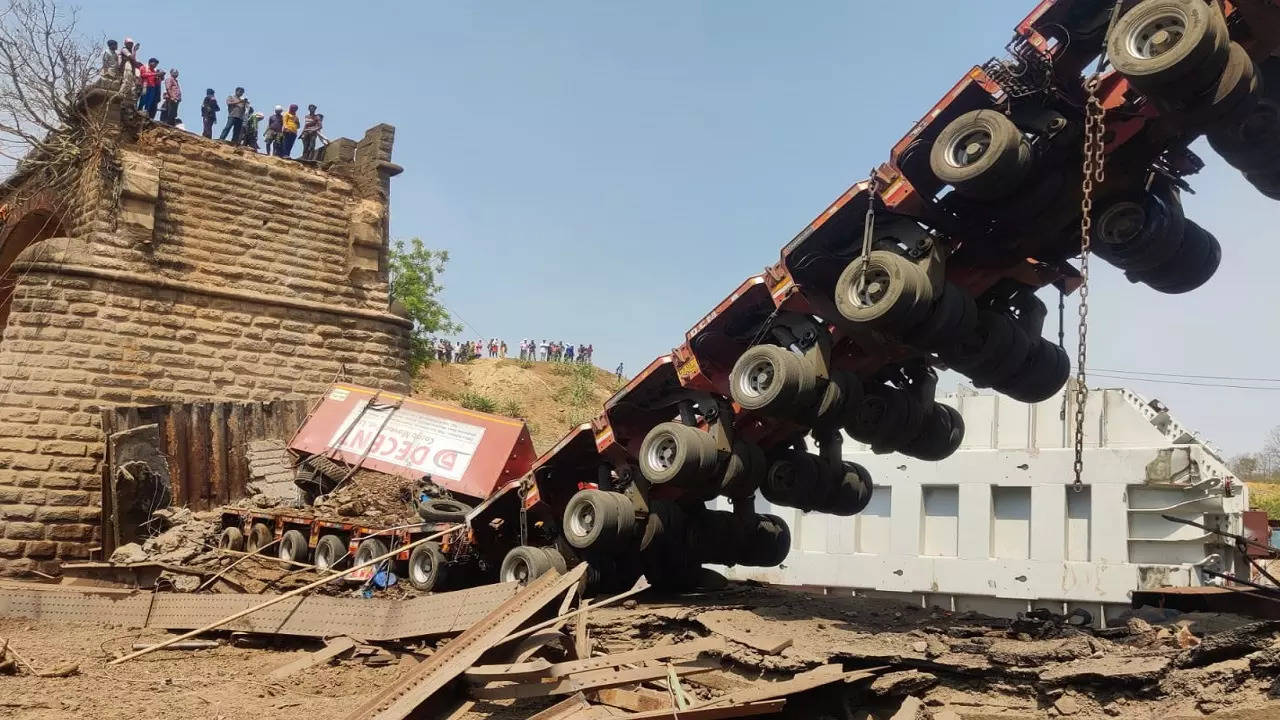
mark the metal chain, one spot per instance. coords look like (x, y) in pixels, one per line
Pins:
(1094, 147)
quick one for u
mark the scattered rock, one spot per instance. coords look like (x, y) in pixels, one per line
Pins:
(128, 553)
(1108, 670)
(1034, 653)
(946, 715)
(1067, 705)
(351, 509)
(920, 646)
(629, 604)
(1230, 644)
(934, 648)
(903, 682)
(911, 709)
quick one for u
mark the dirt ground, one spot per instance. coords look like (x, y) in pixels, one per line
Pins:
(974, 667)
(543, 392)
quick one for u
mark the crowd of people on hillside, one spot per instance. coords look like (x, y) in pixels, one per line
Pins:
(447, 351)
(553, 351)
(159, 91)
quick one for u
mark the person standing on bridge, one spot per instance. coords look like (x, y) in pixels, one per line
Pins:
(172, 96)
(209, 112)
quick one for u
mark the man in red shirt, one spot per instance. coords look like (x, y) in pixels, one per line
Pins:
(150, 98)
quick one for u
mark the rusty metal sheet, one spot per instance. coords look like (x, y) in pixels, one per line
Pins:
(313, 616)
(418, 685)
(592, 680)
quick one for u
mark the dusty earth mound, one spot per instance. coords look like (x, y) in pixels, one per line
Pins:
(550, 397)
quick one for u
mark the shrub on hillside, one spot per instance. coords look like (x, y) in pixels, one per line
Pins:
(476, 401)
(510, 408)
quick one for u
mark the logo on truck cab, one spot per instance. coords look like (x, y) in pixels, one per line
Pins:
(423, 443)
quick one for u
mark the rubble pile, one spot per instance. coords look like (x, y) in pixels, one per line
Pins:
(373, 497)
(183, 537)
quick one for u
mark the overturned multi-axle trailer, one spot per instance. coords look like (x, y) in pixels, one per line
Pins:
(932, 262)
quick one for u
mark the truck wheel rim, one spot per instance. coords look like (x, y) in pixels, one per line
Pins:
(870, 287)
(968, 148)
(1122, 222)
(758, 378)
(662, 453)
(420, 570)
(583, 520)
(1157, 35)
(519, 572)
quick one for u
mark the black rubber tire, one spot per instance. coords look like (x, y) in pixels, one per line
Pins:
(744, 472)
(370, 548)
(1266, 182)
(1120, 239)
(882, 415)
(679, 454)
(627, 524)
(849, 490)
(327, 468)
(794, 480)
(940, 437)
(1195, 263)
(331, 553)
(1250, 141)
(985, 347)
(524, 564)
(427, 571)
(592, 520)
(1189, 67)
(293, 546)
(954, 315)
(231, 538)
(711, 537)
(260, 535)
(558, 561)
(769, 379)
(1041, 376)
(768, 542)
(997, 172)
(830, 410)
(1003, 366)
(666, 560)
(1231, 96)
(443, 510)
(910, 426)
(902, 299)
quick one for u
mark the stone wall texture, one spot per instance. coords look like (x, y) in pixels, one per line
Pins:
(208, 273)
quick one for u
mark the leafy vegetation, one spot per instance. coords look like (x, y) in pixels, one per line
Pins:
(1261, 470)
(414, 284)
(476, 401)
(510, 408)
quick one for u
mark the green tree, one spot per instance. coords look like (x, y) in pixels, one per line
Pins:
(415, 271)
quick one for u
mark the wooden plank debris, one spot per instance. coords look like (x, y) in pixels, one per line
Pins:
(543, 669)
(633, 700)
(588, 681)
(565, 709)
(449, 662)
(767, 707)
(279, 598)
(816, 678)
(331, 650)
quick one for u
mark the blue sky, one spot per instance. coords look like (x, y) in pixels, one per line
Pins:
(606, 173)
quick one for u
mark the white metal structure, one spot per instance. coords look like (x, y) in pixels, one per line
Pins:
(997, 527)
